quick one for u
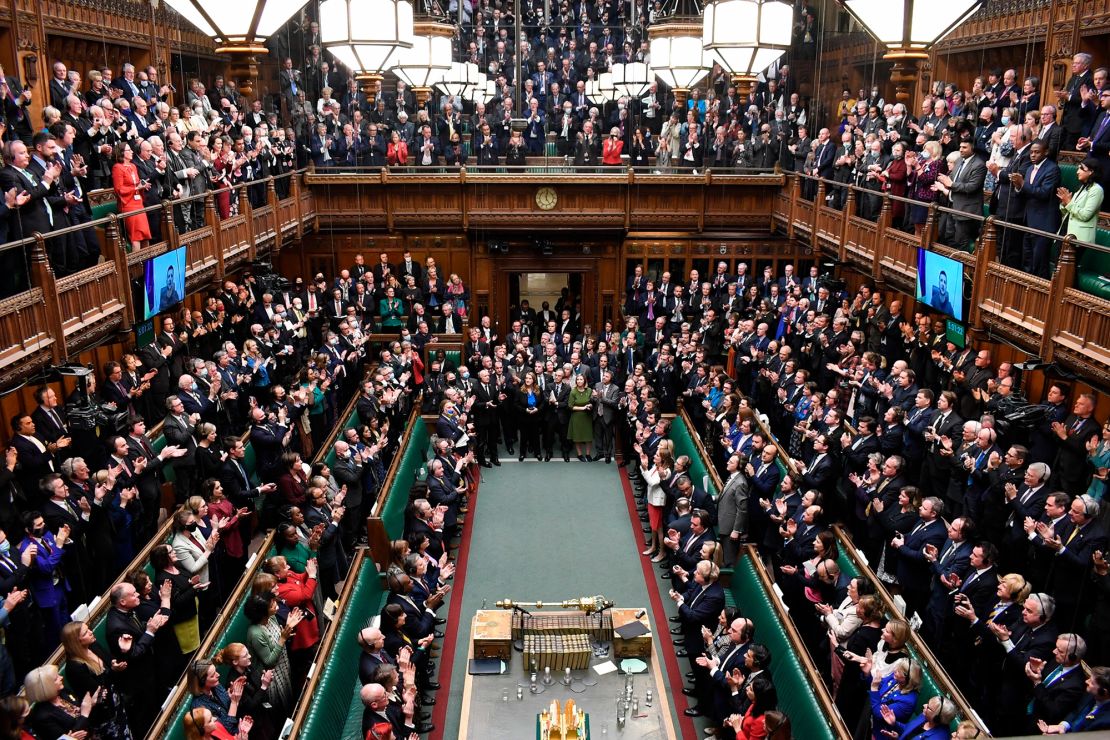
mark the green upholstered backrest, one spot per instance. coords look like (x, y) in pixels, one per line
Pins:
(412, 460)
(1069, 176)
(684, 444)
(454, 356)
(335, 697)
(1092, 274)
(795, 688)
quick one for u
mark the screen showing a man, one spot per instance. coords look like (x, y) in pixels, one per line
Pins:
(939, 300)
(940, 283)
(169, 296)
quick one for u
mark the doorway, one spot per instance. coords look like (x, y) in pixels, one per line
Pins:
(538, 288)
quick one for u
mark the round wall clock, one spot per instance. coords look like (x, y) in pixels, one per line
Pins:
(546, 198)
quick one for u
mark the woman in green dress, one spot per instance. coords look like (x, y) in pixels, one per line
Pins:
(390, 309)
(266, 640)
(580, 429)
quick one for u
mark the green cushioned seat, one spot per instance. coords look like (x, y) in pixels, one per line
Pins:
(408, 470)
(454, 356)
(684, 444)
(1092, 273)
(1069, 176)
(550, 149)
(335, 701)
(795, 690)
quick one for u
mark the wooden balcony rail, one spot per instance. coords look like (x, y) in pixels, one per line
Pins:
(1049, 318)
(94, 303)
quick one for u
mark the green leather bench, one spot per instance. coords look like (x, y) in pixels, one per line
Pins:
(684, 444)
(413, 458)
(335, 711)
(1092, 273)
(795, 688)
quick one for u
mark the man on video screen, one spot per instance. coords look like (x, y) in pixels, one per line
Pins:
(169, 296)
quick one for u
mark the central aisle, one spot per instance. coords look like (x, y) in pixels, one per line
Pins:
(545, 531)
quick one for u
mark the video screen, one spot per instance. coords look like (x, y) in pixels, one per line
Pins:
(163, 282)
(940, 283)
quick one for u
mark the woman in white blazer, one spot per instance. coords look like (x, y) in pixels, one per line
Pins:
(193, 551)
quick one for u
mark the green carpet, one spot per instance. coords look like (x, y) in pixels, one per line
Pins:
(546, 531)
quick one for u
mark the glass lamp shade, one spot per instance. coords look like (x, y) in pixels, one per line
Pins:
(910, 25)
(487, 93)
(593, 91)
(606, 87)
(243, 23)
(632, 80)
(426, 62)
(459, 80)
(746, 36)
(679, 61)
(476, 92)
(367, 36)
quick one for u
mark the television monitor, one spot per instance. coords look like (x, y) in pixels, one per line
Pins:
(163, 282)
(940, 283)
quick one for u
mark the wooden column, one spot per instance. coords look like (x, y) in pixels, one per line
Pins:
(818, 199)
(1062, 279)
(880, 233)
(246, 210)
(849, 208)
(295, 191)
(795, 193)
(115, 253)
(212, 218)
(42, 276)
(985, 253)
(271, 195)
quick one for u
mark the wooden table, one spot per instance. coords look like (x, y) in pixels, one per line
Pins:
(486, 717)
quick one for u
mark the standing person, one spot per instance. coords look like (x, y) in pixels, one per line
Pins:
(129, 195)
(732, 508)
(266, 640)
(606, 399)
(580, 429)
(46, 579)
(655, 476)
(530, 403)
(90, 669)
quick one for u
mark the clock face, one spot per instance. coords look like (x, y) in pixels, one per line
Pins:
(546, 198)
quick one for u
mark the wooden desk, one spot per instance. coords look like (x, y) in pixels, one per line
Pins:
(486, 717)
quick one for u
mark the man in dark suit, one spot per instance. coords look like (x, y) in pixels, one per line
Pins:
(1091, 714)
(966, 189)
(131, 644)
(699, 606)
(1071, 99)
(825, 155)
(425, 149)
(268, 440)
(35, 457)
(1024, 500)
(711, 673)
(557, 411)
(1009, 205)
(1033, 637)
(1071, 570)
(1058, 683)
(1098, 142)
(820, 472)
(1037, 185)
(951, 558)
(913, 568)
(1074, 433)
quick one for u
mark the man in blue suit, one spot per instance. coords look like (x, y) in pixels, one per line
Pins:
(1037, 185)
(950, 559)
(1093, 714)
(699, 606)
(46, 579)
(913, 568)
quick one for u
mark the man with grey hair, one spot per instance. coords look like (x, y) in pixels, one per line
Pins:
(1073, 546)
(1071, 100)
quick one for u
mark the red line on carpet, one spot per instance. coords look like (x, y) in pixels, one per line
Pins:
(665, 644)
(454, 612)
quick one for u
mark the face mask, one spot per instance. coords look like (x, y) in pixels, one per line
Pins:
(1005, 120)
(193, 387)
(333, 342)
(924, 154)
(203, 372)
(38, 532)
(5, 547)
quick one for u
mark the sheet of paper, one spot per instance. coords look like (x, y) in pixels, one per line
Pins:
(607, 667)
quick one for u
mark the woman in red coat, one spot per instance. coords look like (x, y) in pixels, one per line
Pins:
(397, 153)
(753, 724)
(296, 590)
(129, 195)
(896, 183)
(611, 148)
